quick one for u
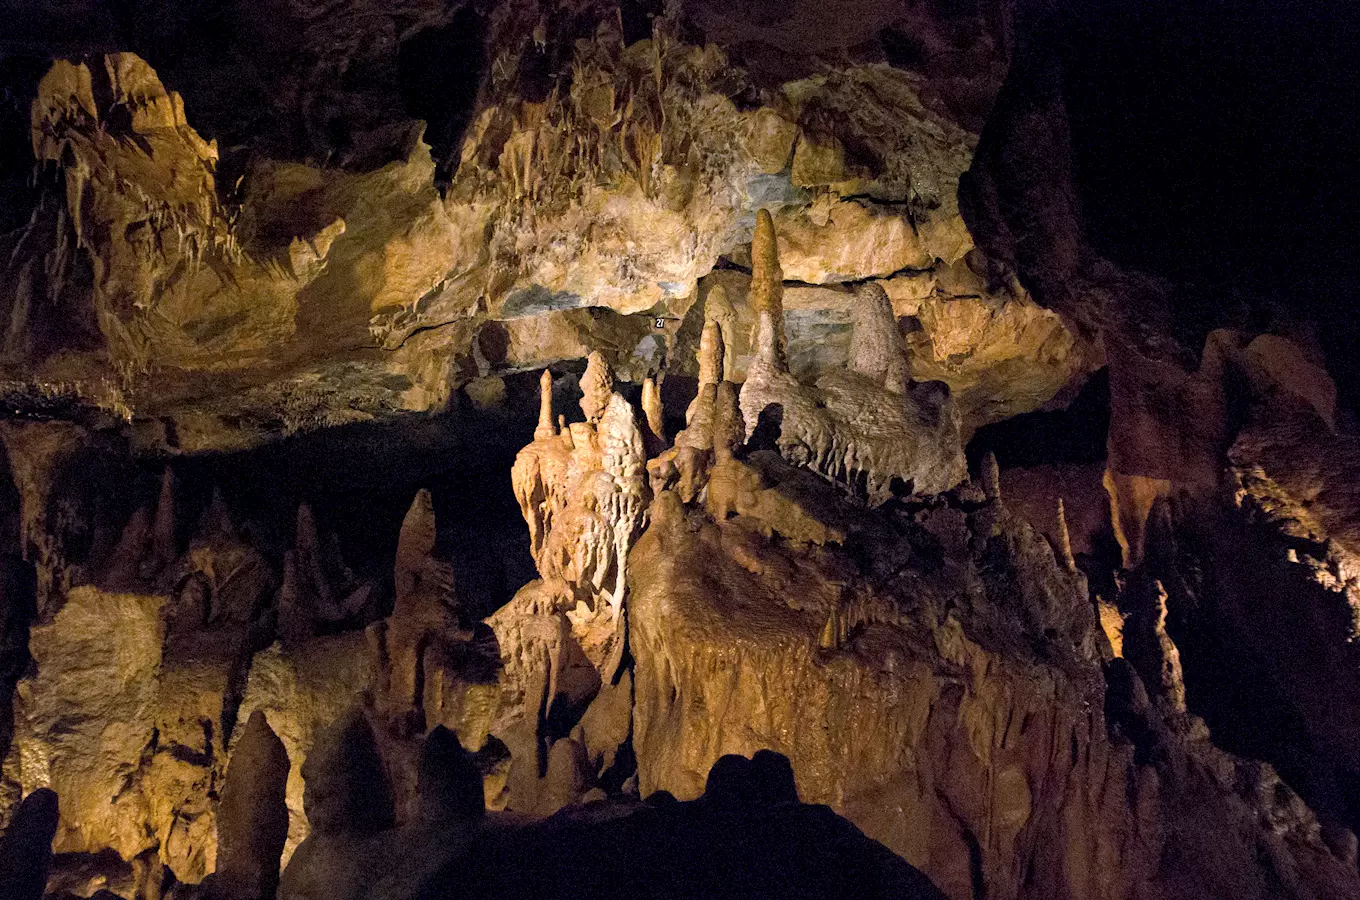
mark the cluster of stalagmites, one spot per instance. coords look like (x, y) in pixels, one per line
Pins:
(803, 568)
(870, 426)
(871, 429)
(176, 667)
(365, 843)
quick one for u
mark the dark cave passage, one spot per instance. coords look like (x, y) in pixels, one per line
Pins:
(441, 71)
(360, 479)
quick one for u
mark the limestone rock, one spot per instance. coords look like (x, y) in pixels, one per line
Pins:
(87, 674)
(450, 785)
(302, 690)
(567, 777)
(848, 426)
(425, 612)
(319, 294)
(1001, 354)
(583, 494)
(350, 806)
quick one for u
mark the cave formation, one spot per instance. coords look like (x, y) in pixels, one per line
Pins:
(614, 448)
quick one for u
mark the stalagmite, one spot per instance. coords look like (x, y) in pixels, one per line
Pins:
(1172, 681)
(1065, 540)
(450, 787)
(424, 612)
(545, 428)
(876, 348)
(867, 427)
(834, 632)
(252, 819)
(597, 385)
(767, 294)
(729, 430)
(711, 353)
(164, 543)
(991, 478)
(655, 415)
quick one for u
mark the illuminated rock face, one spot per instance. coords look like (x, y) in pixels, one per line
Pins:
(305, 295)
(798, 597)
(583, 493)
(870, 427)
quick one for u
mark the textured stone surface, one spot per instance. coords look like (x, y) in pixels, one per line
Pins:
(870, 427)
(302, 691)
(756, 213)
(317, 295)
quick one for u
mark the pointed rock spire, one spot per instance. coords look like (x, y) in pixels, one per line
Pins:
(216, 519)
(834, 632)
(711, 351)
(876, 347)
(545, 429)
(1065, 540)
(729, 428)
(164, 544)
(415, 545)
(710, 374)
(767, 293)
(652, 409)
(307, 540)
(991, 478)
(252, 818)
(346, 789)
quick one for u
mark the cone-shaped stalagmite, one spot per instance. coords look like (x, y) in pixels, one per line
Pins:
(414, 545)
(346, 786)
(876, 347)
(1065, 540)
(711, 349)
(710, 373)
(833, 632)
(651, 408)
(767, 293)
(991, 478)
(252, 819)
(164, 545)
(545, 427)
(450, 784)
(729, 429)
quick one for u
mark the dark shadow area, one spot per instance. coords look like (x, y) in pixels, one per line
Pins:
(1215, 144)
(360, 480)
(1266, 663)
(441, 71)
(1076, 434)
(748, 836)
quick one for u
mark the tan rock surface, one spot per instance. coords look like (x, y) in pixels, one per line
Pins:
(301, 691)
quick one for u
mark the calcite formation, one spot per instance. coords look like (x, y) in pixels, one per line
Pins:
(284, 296)
(583, 491)
(692, 314)
(869, 428)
